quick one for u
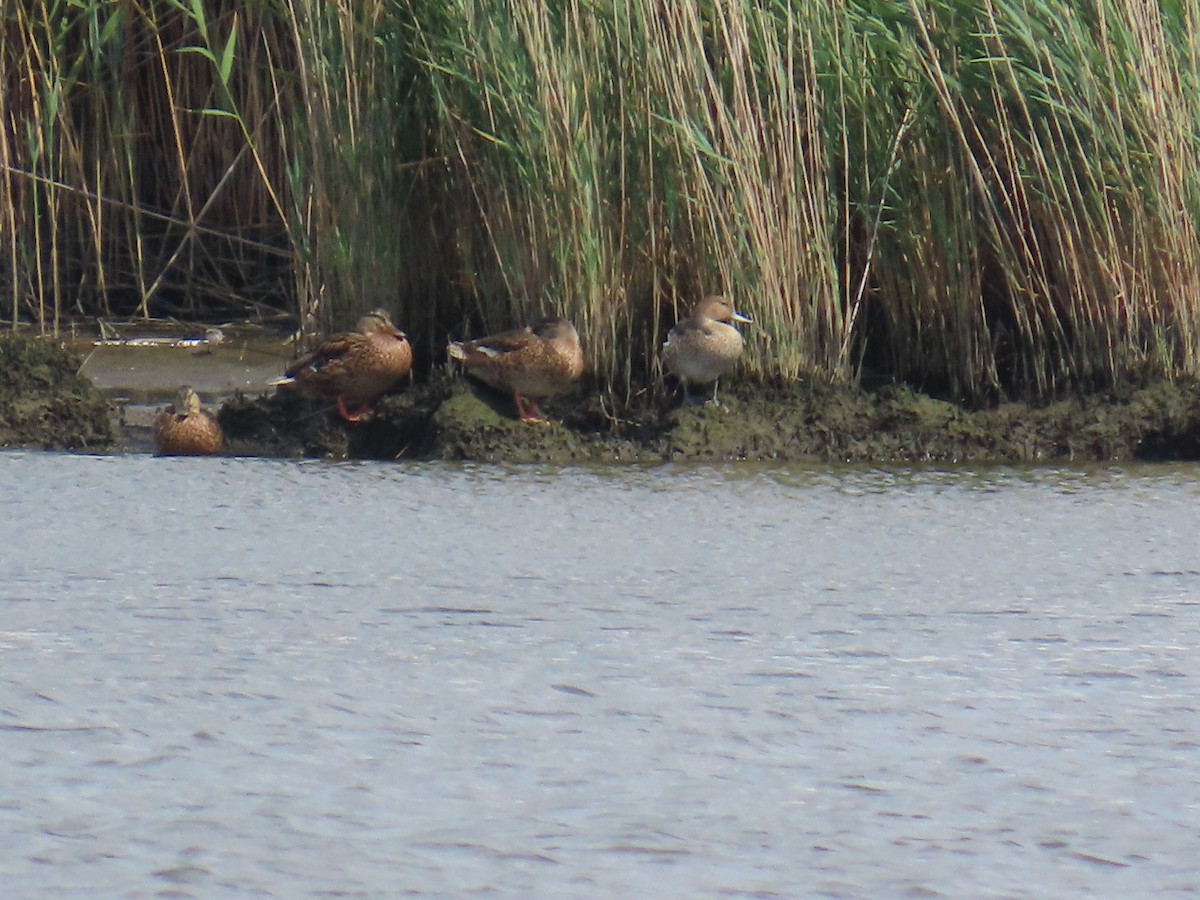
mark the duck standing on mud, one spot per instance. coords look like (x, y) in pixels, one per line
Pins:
(704, 346)
(354, 369)
(532, 363)
(186, 429)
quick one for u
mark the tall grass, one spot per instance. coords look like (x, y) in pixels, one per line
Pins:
(982, 198)
(370, 213)
(623, 160)
(123, 191)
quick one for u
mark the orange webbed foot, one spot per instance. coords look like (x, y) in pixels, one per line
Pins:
(360, 412)
(528, 412)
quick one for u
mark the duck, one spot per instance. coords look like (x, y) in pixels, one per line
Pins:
(533, 363)
(185, 428)
(704, 346)
(354, 368)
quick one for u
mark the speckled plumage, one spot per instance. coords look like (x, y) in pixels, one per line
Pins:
(532, 362)
(354, 368)
(704, 346)
(186, 429)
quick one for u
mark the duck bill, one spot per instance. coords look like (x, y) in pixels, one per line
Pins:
(738, 317)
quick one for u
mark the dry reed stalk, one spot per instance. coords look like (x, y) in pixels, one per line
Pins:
(983, 198)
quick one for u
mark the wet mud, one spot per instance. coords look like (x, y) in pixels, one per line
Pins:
(46, 403)
(450, 417)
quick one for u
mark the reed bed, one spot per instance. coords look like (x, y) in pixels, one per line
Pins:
(983, 199)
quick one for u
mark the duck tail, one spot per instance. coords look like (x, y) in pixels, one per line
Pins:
(455, 350)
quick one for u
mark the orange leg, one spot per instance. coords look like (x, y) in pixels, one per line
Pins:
(527, 411)
(360, 412)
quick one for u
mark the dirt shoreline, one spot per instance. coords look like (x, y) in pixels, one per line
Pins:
(450, 418)
(46, 403)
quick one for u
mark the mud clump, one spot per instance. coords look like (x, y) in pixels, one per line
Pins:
(795, 421)
(45, 403)
(452, 418)
(286, 424)
(444, 418)
(476, 423)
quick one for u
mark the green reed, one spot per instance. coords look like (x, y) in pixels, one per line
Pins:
(980, 198)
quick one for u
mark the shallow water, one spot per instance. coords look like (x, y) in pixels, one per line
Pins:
(260, 677)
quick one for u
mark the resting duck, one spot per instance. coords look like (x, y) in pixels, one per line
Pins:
(532, 362)
(354, 368)
(186, 429)
(705, 345)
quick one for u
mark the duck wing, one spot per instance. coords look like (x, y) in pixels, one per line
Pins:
(503, 343)
(691, 328)
(330, 353)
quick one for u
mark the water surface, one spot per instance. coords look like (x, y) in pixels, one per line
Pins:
(279, 678)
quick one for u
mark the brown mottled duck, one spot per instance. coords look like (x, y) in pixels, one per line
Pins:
(533, 363)
(355, 368)
(185, 428)
(704, 346)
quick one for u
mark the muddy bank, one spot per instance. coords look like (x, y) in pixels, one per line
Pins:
(449, 417)
(45, 403)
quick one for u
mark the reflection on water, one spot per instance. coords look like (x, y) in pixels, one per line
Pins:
(254, 676)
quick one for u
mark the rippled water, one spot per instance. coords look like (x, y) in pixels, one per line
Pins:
(255, 677)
